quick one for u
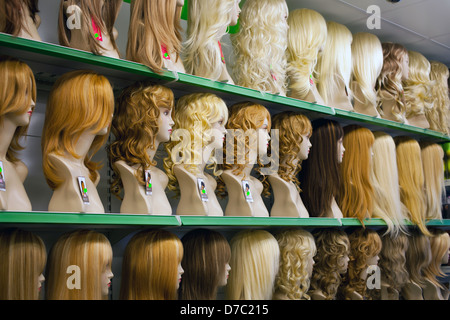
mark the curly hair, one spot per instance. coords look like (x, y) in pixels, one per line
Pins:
(439, 242)
(297, 249)
(135, 126)
(438, 116)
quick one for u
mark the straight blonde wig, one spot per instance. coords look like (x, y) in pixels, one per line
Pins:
(17, 92)
(88, 250)
(418, 256)
(438, 116)
(260, 46)
(335, 62)
(255, 257)
(23, 260)
(12, 12)
(439, 243)
(79, 101)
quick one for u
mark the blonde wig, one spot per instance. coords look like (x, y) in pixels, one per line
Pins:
(418, 256)
(335, 62)
(307, 35)
(389, 83)
(12, 12)
(255, 257)
(364, 245)
(91, 252)
(297, 249)
(150, 266)
(79, 101)
(433, 173)
(367, 57)
(356, 195)
(438, 116)
(194, 115)
(206, 254)
(411, 179)
(23, 261)
(439, 242)
(103, 13)
(153, 24)
(17, 92)
(418, 99)
(384, 175)
(333, 246)
(206, 25)
(135, 127)
(260, 46)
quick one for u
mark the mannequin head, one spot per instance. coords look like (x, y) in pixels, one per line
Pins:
(142, 120)
(335, 62)
(367, 57)
(12, 13)
(92, 253)
(23, 261)
(433, 173)
(331, 261)
(418, 256)
(17, 99)
(356, 193)
(384, 177)
(297, 250)
(260, 45)
(155, 23)
(307, 36)
(365, 245)
(438, 115)
(254, 265)
(440, 244)
(320, 175)
(389, 83)
(206, 264)
(103, 12)
(151, 267)
(70, 113)
(411, 179)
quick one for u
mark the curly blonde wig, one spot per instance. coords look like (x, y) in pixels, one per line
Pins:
(438, 116)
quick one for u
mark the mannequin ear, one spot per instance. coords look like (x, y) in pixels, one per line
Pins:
(38, 20)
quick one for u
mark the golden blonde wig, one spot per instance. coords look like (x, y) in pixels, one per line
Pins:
(91, 252)
(438, 116)
(23, 257)
(17, 92)
(367, 57)
(260, 46)
(12, 12)
(153, 24)
(356, 195)
(135, 127)
(307, 35)
(418, 256)
(79, 101)
(297, 249)
(335, 62)
(439, 243)
(255, 257)
(150, 266)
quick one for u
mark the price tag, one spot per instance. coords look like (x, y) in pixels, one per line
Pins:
(2, 178)
(202, 189)
(83, 189)
(247, 191)
(148, 183)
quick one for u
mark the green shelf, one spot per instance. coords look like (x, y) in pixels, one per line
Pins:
(258, 221)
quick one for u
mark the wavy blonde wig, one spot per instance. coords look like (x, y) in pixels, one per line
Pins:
(389, 83)
(367, 62)
(150, 266)
(206, 254)
(333, 246)
(79, 101)
(12, 12)
(418, 257)
(384, 175)
(411, 179)
(255, 258)
(91, 252)
(438, 116)
(135, 127)
(103, 13)
(364, 245)
(356, 195)
(335, 62)
(23, 260)
(439, 242)
(153, 24)
(297, 249)
(206, 25)
(17, 92)
(433, 173)
(307, 35)
(194, 115)
(260, 46)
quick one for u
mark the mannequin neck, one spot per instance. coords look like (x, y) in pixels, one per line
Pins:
(294, 160)
(83, 145)
(152, 152)
(7, 130)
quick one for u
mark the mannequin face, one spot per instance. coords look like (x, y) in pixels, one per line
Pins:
(343, 263)
(235, 13)
(41, 279)
(165, 124)
(373, 261)
(180, 273)
(305, 146)
(341, 150)
(263, 138)
(226, 274)
(218, 133)
(180, 3)
(106, 280)
(23, 119)
(405, 67)
(445, 258)
(311, 266)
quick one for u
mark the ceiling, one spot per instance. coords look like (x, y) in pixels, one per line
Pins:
(420, 25)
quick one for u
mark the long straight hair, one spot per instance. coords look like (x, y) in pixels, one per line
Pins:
(439, 243)
(438, 116)
(12, 11)
(418, 256)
